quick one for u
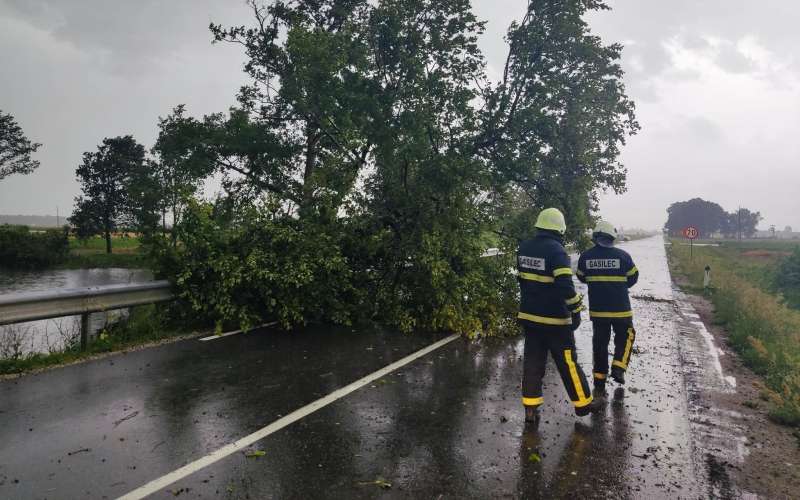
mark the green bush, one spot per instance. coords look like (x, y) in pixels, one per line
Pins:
(787, 279)
(22, 249)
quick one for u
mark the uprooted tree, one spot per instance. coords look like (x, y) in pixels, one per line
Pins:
(370, 157)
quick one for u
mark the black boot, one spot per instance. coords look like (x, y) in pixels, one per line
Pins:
(618, 374)
(599, 387)
(592, 407)
(532, 415)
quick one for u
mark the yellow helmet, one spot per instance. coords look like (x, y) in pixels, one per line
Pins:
(605, 227)
(552, 219)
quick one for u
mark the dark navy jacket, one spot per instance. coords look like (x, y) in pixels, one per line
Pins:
(609, 272)
(547, 292)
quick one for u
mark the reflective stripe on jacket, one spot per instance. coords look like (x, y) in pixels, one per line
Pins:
(609, 272)
(547, 293)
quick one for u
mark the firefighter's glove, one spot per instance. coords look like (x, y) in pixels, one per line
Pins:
(576, 320)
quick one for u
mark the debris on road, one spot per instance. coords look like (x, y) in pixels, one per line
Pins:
(254, 453)
(126, 417)
(380, 482)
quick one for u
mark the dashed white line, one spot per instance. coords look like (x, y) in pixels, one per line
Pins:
(215, 456)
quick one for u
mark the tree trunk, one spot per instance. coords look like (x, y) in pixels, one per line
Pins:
(108, 241)
(312, 138)
(175, 217)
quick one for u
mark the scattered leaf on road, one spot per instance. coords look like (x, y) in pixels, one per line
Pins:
(534, 457)
(254, 453)
(381, 483)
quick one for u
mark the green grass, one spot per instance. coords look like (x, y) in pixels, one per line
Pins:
(758, 261)
(761, 325)
(146, 324)
(91, 253)
(98, 243)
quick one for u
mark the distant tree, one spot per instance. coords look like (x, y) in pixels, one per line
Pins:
(105, 177)
(15, 148)
(728, 226)
(745, 221)
(708, 217)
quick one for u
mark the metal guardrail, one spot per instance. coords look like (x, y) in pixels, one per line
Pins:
(33, 306)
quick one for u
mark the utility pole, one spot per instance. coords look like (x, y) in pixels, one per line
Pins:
(739, 223)
(58, 218)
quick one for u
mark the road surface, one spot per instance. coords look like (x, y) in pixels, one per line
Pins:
(447, 424)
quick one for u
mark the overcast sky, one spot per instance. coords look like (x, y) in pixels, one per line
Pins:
(716, 84)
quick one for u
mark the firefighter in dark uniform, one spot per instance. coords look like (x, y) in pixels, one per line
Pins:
(609, 272)
(550, 312)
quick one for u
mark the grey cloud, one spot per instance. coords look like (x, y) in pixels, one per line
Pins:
(76, 71)
(703, 130)
(122, 35)
(732, 60)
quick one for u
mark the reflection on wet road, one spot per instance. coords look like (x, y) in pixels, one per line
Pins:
(449, 425)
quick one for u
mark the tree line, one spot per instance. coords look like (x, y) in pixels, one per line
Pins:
(710, 218)
(369, 163)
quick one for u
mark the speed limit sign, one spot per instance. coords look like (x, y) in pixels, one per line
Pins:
(691, 232)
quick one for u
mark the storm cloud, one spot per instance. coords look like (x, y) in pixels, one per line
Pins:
(716, 85)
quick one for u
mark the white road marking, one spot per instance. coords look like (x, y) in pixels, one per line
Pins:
(215, 456)
(228, 334)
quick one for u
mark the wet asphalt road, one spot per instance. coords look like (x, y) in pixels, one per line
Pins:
(449, 425)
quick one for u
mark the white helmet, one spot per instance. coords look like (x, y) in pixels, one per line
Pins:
(606, 228)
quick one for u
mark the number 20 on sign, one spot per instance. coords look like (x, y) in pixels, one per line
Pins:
(691, 233)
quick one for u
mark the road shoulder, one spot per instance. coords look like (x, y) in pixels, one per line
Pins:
(743, 451)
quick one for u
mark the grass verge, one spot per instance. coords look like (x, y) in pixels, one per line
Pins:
(761, 327)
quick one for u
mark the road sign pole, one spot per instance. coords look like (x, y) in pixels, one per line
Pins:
(691, 249)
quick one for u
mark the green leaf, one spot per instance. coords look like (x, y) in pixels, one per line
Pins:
(380, 482)
(254, 453)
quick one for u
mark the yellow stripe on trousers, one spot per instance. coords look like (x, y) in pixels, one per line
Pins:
(626, 356)
(600, 314)
(532, 401)
(576, 381)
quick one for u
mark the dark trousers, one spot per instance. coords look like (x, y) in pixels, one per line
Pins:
(624, 336)
(559, 341)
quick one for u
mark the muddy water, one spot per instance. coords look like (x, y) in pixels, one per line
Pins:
(53, 335)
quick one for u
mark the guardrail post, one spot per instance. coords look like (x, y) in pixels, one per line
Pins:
(84, 331)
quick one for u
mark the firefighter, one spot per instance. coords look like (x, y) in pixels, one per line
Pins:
(609, 272)
(550, 312)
